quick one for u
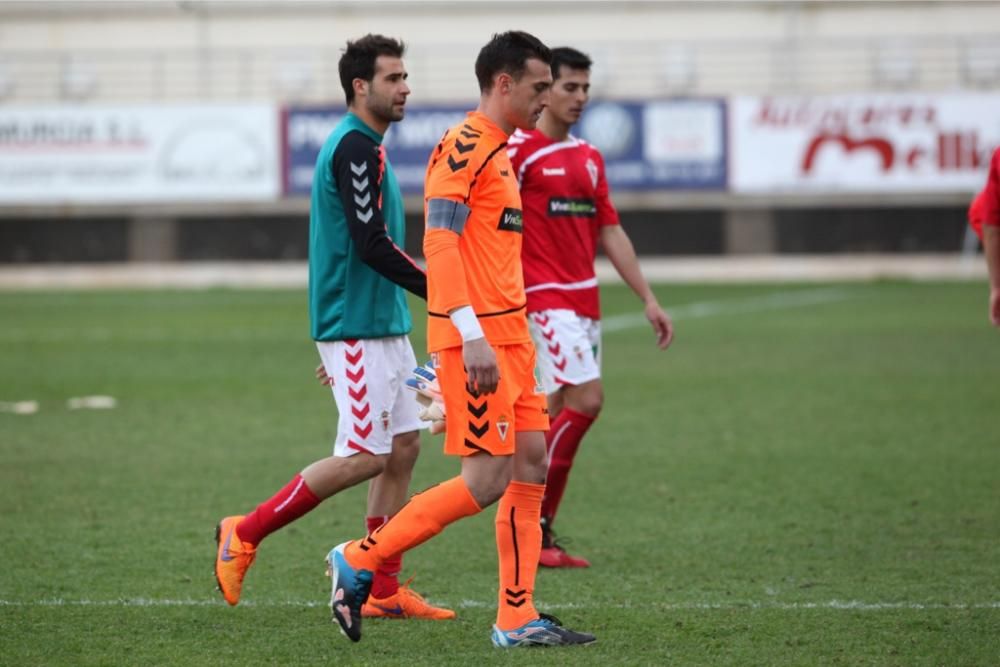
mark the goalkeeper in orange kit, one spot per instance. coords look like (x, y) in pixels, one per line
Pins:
(482, 354)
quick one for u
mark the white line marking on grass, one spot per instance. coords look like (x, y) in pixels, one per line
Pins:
(846, 605)
(757, 304)
(91, 403)
(19, 407)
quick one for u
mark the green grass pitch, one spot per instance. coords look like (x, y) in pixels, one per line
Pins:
(809, 476)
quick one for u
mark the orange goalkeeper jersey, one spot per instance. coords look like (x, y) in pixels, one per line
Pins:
(472, 243)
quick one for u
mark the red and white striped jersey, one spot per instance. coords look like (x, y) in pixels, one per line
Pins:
(565, 202)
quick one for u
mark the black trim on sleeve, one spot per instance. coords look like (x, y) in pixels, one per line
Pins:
(357, 170)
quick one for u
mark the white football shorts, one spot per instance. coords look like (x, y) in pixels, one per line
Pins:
(368, 388)
(568, 348)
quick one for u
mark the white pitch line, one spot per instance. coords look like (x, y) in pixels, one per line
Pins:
(772, 301)
(848, 605)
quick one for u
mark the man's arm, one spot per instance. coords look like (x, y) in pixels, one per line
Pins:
(620, 251)
(991, 248)
(356, 170)
(445, 223)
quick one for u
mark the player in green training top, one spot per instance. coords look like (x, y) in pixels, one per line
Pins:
(360, 321)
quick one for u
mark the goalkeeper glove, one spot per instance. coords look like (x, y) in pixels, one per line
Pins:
(428, 394)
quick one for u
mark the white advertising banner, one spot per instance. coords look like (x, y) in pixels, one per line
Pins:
(129, 154)
(865, 143)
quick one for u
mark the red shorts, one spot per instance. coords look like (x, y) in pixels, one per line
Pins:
(488, 423)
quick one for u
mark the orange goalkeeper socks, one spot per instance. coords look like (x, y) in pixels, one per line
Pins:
(422, 518)
(519, 542)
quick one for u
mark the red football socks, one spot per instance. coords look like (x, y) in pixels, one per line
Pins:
(284, 507)
(562, 441)
(386, 581)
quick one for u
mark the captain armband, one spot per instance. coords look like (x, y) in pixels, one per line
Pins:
(447, 214)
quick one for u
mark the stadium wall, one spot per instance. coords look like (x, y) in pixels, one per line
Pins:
(689, 64)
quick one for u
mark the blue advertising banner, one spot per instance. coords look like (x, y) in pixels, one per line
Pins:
(408, 143)
(659, 145)
(677, 144)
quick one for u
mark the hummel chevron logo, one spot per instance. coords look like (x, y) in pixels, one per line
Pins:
(512, 597)
(363, 201)
(360, 186)
(455, 166)
(463, 148)
(359, 169)
(479, 431)
(366, 216)
(477, 411)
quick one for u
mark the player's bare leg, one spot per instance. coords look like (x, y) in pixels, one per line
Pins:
(333, 474)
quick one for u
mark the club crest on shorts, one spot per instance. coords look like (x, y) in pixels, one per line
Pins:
(386, 420)
(503, 424)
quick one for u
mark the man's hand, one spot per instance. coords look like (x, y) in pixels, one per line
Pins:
(995, 306)
(480, 366)
(663, 327)
(323, 378)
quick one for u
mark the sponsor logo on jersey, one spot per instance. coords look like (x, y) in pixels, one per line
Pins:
(511, 220)
(559, 206)
(554, 171)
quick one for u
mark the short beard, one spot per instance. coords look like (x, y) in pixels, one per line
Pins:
(386, 113)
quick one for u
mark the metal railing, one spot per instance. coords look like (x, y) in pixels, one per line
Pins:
(443, 72)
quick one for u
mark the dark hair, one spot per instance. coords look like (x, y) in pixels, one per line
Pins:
(508, 52)
(564, 56)
(358, 61)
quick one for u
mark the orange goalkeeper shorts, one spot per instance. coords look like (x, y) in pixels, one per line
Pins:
(488, 423)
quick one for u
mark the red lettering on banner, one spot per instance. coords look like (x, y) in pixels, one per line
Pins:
(914, 157)
(836, 115)
(880, 146)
